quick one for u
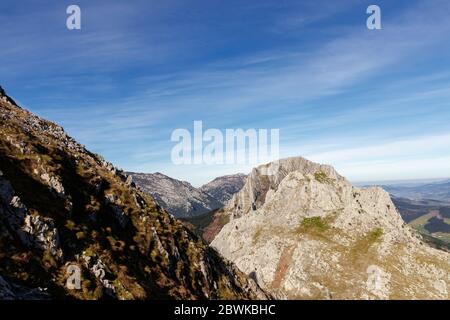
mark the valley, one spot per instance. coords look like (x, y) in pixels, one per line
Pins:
(430, 217)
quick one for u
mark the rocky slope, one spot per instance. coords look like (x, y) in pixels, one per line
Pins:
(179, 198)
(306, 233)
(223, 188)
(62, 207)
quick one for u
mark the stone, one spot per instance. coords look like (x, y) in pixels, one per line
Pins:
(315, 236)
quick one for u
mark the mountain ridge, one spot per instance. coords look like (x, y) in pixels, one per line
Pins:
(224, 187)
(61, 206)
(182, 199)
(179, 198)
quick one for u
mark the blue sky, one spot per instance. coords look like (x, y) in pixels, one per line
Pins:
(374, 104)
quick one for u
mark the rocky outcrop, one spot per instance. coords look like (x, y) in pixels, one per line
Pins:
(4, 97)
(223, 188)
(11, 291)
(33, 230)
(306, 232)
(64, 208)
(266, 178)
(115, 205)
(177, 197)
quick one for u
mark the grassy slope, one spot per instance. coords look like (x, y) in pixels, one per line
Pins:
(440, 240)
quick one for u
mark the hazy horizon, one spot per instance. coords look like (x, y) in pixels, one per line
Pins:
(355, 183)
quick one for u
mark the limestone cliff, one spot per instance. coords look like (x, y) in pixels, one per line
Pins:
(305, 232)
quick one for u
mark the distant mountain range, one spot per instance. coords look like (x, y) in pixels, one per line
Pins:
(439, 191)
(179, 198)
(223, 188)
(183, 200)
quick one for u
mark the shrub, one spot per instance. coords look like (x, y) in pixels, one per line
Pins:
(313, 225)
(321, 177)
(81, 235)
(363, 244)
(374, 235)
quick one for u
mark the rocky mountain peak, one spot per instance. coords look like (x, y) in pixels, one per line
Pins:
(306, 232)
(266, 178)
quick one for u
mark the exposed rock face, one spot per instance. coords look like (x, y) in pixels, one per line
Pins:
(307, 233)
(177, 197)
(61, 206)
(4, 97)
(258, 183)
(10, 291)
(33, 230)
(223, 188)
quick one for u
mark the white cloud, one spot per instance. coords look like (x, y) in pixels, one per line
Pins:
(415, 158)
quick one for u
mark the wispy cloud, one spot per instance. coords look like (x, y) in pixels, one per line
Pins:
(138, 71)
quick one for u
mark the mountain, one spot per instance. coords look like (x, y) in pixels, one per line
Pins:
(305, 232)
(208, 225)
(198, 208)
(177, 197)
(439, 190)
(65, 211)
(223, 188)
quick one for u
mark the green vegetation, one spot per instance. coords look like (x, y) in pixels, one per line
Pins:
(439, 240)
(224, 219)
(313, 224)
(257, 235)
(318, 227)
(421, 221)
(80, 235)
(441, 244)
(375, 235)
(321, 177)
(200, 222)
(363, 244)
